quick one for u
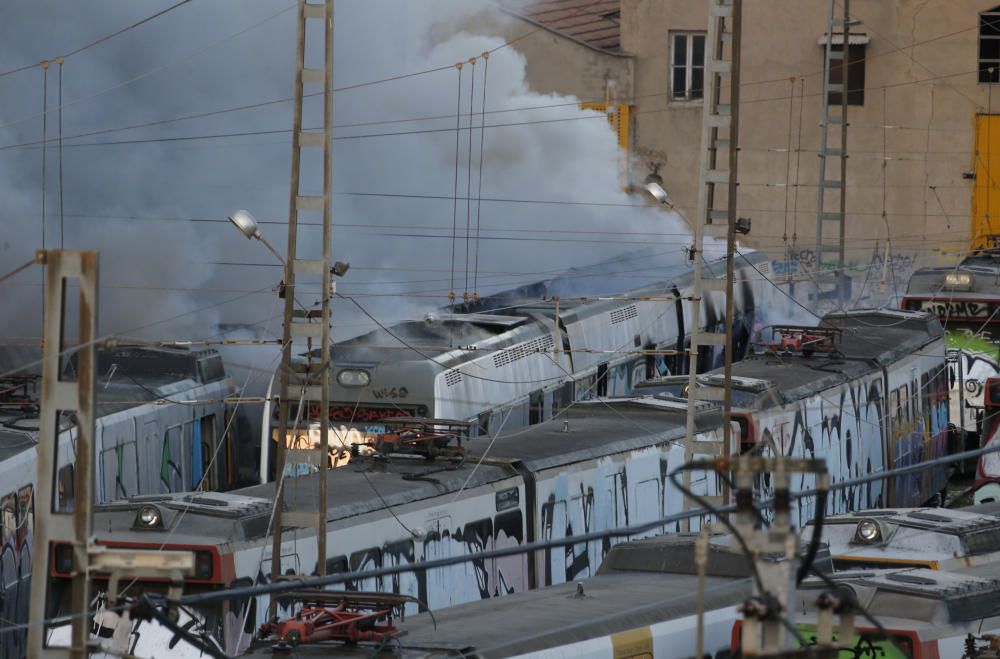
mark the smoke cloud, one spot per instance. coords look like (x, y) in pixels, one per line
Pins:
(155, 204)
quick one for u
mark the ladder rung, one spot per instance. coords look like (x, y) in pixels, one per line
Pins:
(717, 176)
(832, 120)
(718, 120)
(834, 87)
(721, 10)
(314, 11)
(708, 393)
(312, 393)
(726, 37)
(307, 266)
(299, 519)
(304, 456)
(710, 338)
(830, 217)
(309, 202)
(721, 145)
(720, 66)
(718, 216)
(713, 285)
(313, 76)
(724, 108)
(831, 152)
(833, 184)
(308, 139)
(313, 330)
(829, 248)
(717, 230)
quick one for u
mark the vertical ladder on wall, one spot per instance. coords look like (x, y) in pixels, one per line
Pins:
(832, 192)
(716, 214)
(307, 388)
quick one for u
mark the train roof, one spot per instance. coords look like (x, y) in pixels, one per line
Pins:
(982, 264)
(364, 486)
(491, 319)
(925, 535)
(639, 583)
(127, 377)
(866, 340)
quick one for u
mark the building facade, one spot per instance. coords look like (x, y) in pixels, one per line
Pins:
(922, 119)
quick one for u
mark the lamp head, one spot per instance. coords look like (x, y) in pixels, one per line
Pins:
(657, 192)
(246, 223)
(340, 268)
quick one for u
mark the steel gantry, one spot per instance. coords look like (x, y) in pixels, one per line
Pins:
(307, 386)
(716, 214)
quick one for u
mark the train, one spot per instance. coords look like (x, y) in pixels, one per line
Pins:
(864, 391)
(517, 358)
(160, 417)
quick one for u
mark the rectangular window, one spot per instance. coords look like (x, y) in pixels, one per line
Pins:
(855, 74)
(687, 66)
(989, 46)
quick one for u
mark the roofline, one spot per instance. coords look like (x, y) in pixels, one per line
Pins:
(551, 29)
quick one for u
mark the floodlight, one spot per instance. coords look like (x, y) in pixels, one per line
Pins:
(246, 223)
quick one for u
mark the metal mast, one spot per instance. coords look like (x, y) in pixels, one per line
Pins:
(830, 224)
(719, 157)
(312, 384)
(68, 391)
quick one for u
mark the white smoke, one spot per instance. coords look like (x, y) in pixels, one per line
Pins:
(400, 247)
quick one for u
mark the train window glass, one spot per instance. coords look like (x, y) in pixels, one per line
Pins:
(536, 407)
(212, 471)
(8, 506)
(26, 510)
(336, 565)
(994, 392)
(578, 524)
(894, 405)
(484, 424)
(904, 404)
(128, 468)
(109, 468)
(172, 460)
(66, 484)
(602, 379)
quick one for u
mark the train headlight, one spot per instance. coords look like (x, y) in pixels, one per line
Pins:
(354, 377)
(149, 517)
(869, 532)
(958, 280)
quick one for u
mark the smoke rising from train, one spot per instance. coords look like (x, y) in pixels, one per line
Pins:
(135, 201)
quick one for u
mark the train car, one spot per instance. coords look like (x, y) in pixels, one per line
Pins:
(160, 419)
(507, 363)
(932, 538)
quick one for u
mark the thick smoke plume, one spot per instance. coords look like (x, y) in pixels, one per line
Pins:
(155, 205)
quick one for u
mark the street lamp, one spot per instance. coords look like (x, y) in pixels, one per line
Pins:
(247, 225)
(657, 192)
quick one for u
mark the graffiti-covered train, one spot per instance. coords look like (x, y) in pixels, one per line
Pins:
(516, 358)
(865, 391)
(160, 420)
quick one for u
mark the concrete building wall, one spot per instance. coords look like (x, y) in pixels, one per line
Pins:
(921, 80)
(558, 64)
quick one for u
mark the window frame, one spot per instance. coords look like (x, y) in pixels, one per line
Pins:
(688, 65)
(983, 75)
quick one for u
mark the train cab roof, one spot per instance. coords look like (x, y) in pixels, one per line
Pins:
(938, 538)
(843, 345)
(127, 377)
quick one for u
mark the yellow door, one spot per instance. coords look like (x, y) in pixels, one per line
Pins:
(986, 194)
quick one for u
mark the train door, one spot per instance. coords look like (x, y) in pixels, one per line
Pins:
(986, 192)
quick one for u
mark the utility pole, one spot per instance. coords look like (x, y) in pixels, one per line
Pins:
(719, 159)
(834, 115)
(67, 391)
(296, 386)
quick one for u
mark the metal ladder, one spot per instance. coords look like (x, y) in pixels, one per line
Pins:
(830, 224)
(313, 384)
(719, 148)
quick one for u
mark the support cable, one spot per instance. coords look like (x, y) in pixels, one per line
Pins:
(62, 237)
(479, 194)
(454, 211)
(468, 181)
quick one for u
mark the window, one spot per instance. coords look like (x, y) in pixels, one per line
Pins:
(687, 70)
(989, 45)
(855, 72)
